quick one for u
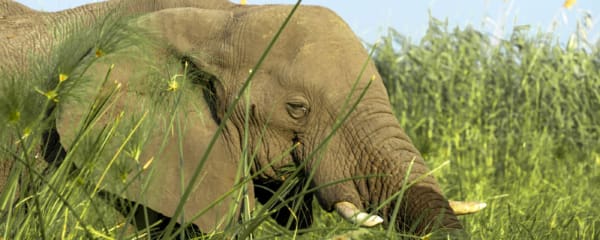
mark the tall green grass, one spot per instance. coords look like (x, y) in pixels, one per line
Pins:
(519, 122)
(58, 201)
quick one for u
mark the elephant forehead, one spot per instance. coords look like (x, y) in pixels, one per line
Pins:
(307, 20)
(316, 45)
(328, 63)
(253, 29)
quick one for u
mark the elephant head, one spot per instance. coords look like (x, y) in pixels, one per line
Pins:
(315, 85)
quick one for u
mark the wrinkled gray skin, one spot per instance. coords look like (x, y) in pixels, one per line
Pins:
(24, 31)
(298, 92)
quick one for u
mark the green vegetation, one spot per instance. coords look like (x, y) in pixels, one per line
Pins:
(519, 121)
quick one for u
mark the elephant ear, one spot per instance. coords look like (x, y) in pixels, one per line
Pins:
(151, 136)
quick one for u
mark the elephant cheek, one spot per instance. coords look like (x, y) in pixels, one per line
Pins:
(270, 160)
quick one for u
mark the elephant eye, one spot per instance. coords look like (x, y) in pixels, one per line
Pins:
(297, 110)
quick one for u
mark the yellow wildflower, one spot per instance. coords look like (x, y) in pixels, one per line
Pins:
(173, 86)
(243, 2)
(51, 95)
(569, 3)
(62, 77)
(26, 132)
(15, 116)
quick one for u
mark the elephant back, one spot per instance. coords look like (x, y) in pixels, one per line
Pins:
(11, 8)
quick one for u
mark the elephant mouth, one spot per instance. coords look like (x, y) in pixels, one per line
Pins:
(346, 210)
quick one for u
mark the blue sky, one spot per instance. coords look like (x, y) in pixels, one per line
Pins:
(370, 19)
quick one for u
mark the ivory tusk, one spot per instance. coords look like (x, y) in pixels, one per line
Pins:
(352, 214)
(463, 208)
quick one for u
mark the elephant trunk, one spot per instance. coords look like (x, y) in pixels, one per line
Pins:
(376, 168)
(422, 207)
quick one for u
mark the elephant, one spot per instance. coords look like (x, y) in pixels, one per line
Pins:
(315, 103)
(27, 35)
